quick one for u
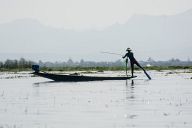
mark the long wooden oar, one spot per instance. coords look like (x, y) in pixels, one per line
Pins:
(126, 65)
(147, 75)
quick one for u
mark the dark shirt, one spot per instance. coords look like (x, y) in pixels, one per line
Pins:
(130, 55)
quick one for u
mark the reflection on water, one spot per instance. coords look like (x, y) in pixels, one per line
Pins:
(165, 101)
(130, 89)
(37, 84)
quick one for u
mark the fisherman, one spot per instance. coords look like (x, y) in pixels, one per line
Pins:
(133, 61)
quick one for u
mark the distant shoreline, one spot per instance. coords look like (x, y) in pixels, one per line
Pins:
(98, 69)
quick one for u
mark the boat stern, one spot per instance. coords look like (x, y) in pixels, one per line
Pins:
(35, 68)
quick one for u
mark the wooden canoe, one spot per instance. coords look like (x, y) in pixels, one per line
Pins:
(75, 78)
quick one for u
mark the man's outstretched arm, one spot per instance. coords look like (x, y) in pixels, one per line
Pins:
(124, 56)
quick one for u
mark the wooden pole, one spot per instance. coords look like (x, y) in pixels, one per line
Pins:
(126, 65)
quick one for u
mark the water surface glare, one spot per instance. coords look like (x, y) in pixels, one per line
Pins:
(34, 102)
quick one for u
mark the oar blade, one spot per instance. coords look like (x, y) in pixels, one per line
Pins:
(147, 75)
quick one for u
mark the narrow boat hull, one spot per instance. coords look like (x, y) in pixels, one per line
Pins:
(75, 78)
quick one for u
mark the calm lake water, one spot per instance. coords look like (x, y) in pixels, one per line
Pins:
(34, 102)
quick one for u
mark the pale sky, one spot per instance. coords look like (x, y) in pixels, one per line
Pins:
(85, 14)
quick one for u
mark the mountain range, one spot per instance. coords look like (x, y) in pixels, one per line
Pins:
(160, 37)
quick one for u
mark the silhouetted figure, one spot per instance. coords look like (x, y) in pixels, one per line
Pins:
(133, 61)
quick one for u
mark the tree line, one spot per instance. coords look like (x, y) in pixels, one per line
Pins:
(19, 64)
(24, 64)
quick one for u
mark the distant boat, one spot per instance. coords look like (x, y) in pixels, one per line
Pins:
(74, 78)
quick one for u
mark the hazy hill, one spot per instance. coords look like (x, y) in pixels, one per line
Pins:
(159, 37)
